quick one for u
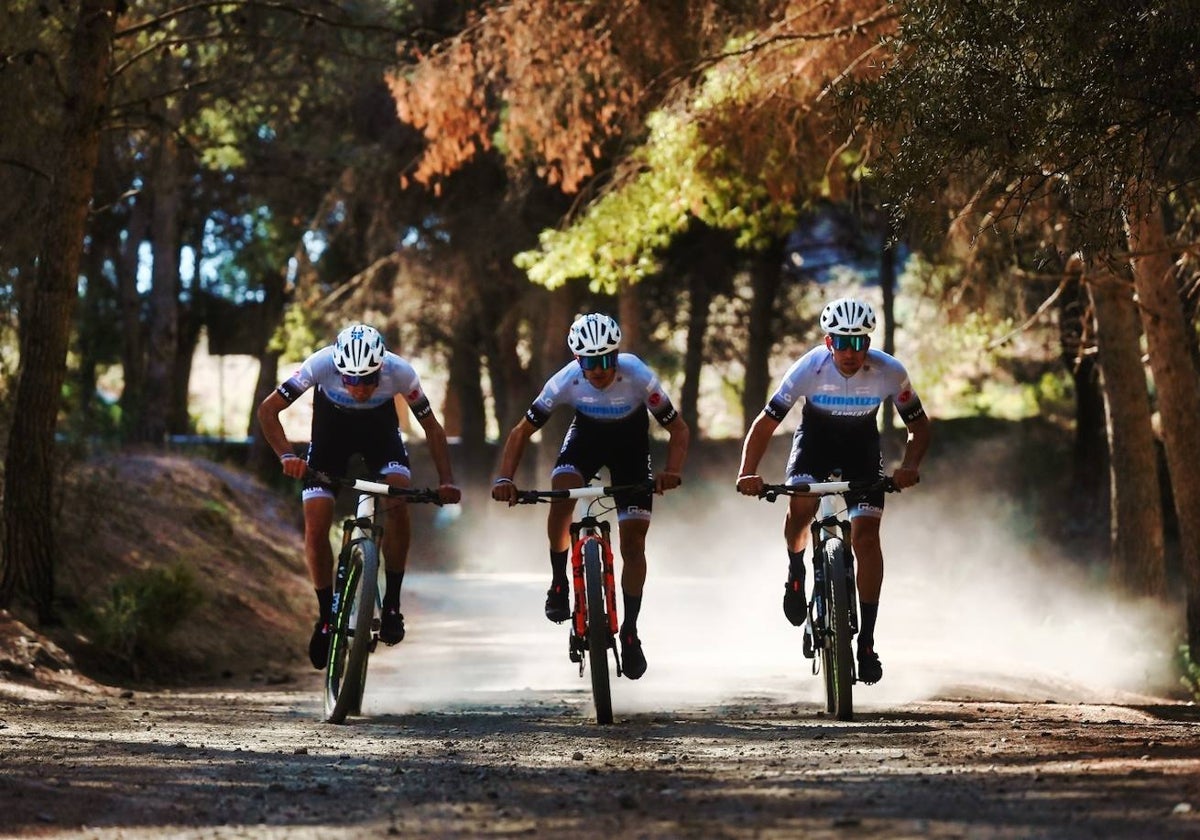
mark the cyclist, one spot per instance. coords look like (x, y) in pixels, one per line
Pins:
(611, 393)
(358, 382)
(843, 382)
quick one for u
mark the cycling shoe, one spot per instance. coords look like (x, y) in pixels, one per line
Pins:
(633, 661)
(558, 606)
(870, 669)
(391, 627)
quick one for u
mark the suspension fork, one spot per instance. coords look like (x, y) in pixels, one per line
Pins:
(610, 583)
(579, 615)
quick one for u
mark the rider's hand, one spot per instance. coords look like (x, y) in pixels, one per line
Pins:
(293, 465)
(503, 490)
(906, 477)
(449, 494)
(749, 485)
(665, 481)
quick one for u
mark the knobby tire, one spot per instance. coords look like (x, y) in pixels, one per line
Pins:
(346, 674)
(598, 631)
(839, 674)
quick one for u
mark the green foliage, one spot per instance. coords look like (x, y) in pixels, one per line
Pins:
(679, 179)
(300, 334)
(1189, 670)
(1004, 103)
(134, 625)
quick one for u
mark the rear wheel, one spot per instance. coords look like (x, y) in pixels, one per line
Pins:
(346, 673)
(839, 673)
(598, 637)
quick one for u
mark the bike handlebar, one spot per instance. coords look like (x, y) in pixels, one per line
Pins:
(378, 488)
(529, 497)
(771, 492)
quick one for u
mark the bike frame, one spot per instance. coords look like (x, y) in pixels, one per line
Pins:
(591, 529)
(832, 520)
(358, 589)
(835, 623)
(594, 626)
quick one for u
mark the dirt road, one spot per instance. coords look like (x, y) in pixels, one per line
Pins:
(1018, 701)
(261, 764)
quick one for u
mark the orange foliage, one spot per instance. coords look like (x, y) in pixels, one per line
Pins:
(555, 84)
(544, 79)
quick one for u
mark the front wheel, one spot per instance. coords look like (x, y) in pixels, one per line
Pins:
(836, 652)
(346, 673)
(598, 634)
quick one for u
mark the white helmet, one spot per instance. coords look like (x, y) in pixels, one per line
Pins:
(848, 316)
(358, 350)
(593, 335)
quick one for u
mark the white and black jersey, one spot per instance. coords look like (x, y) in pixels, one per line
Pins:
(343, 427)
(838, 428)
(610, 428)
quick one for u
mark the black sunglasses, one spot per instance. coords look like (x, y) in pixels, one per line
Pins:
(602, 362)
(850, 342)
(350, 380)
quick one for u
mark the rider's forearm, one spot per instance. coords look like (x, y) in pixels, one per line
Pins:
(677, 446)
(756, 444)
(514, 448)
(272, 430)
(917, 444)
(439, 449)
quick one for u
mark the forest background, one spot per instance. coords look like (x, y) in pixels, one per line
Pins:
(1011, 182)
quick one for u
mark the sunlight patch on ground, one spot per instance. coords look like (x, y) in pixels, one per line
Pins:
(966, 613)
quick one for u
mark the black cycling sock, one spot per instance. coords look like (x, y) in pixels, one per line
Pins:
(796, 564)
(558, 566)
(325, 603)
(866, 635)
(633, 606)
(391, 590)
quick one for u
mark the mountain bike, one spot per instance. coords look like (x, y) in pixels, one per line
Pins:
(594, 624)
(358, 594)
(833, 609)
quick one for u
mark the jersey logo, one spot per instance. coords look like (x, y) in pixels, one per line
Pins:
(414, 394)
(655, 399)
(904, 396)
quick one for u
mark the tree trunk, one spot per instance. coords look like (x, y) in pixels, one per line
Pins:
(465, 389)
(765, 279)
(1136, 514)
(552, 355)
(1087, 504)
(164, 294)
(1168, 336)
(179, 418)
(45, 326)
(91, 326)
(699, 300)
(133, 344)
(629, 312)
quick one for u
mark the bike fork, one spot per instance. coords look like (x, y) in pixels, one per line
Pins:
(577, 643)
(610, 597)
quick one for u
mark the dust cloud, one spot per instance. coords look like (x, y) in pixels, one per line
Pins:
(972, 608)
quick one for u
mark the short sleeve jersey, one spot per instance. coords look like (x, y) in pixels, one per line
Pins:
(396, 376)
(831, 396)
(635, 388)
